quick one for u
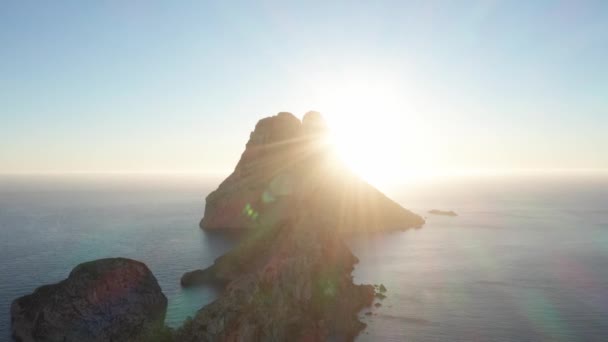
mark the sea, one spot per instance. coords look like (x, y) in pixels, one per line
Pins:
(526, 259)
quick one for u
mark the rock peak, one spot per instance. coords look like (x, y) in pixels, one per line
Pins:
(274, 129)
(314, 123)
(287, 161)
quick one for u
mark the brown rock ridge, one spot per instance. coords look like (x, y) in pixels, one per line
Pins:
(114, 299)
(286, 159)
(289, 279)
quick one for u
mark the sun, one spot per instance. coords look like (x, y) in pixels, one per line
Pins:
(370, 149)
(374, 128)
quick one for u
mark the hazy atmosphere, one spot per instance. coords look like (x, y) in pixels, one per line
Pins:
(353, 171)
(159, 86)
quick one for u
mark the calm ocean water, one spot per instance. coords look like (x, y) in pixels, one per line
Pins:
(525, 260)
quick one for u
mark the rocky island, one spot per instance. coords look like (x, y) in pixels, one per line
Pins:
(442, 212)
(289, 277)
(288, 166)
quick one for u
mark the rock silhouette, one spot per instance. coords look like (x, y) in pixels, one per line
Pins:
(104, 300)
(289, 162)
(289, 282)
(289, 278)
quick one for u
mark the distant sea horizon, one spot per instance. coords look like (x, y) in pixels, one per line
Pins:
(525, 259)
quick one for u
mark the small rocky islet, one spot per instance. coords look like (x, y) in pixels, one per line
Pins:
(288, 278)
(442, 212)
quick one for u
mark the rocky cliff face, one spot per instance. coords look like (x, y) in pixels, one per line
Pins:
(104, 300)
(287, 282)
(290, 278)
(287, 160)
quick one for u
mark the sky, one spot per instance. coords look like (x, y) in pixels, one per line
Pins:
(407, 86)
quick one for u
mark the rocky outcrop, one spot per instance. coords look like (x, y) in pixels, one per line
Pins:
(287, 160)
(113, 299)
(442, 212)
(290, 278)
(290, 281)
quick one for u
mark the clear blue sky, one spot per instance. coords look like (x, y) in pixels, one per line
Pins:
(178, 85)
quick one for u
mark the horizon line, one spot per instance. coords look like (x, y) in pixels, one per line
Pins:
(219, 172)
